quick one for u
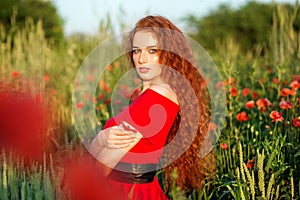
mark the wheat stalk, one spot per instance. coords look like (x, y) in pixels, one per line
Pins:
(270, 184)
(261, 179)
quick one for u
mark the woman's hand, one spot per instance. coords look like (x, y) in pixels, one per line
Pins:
(116, 137)
(111, 144)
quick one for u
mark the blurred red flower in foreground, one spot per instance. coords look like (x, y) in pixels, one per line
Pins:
(296, 122)
(276, 116)
(83, 179)
(242, 116)
(250, 164)
(23, 124)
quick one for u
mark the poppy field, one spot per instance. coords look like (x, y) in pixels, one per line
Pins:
(257, 154)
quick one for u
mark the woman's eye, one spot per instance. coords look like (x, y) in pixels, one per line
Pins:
(152, 51)
(135, 51)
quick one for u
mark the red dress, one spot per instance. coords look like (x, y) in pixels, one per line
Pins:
(152, 114)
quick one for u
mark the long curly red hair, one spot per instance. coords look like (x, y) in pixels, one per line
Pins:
(182, 74)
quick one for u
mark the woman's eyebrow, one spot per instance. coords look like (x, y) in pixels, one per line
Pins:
(152, 46)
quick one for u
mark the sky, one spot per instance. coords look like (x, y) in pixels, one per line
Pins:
(85, 15)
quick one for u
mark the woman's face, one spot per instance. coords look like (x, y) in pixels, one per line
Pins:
(145, 57)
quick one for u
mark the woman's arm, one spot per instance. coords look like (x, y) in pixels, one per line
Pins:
(113, 138)
(111, 144)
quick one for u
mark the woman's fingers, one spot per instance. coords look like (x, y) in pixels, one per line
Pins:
(117, 146)
(116, 133)
(130, 129)
(119, 143)
(116, 137)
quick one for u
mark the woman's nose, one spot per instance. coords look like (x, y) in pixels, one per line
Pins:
(143, 58)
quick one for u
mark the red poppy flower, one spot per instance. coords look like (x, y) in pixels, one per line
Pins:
(224, 146)
(101, 96)
(296, 122)
(296, 77)
(204, 83)
(295, 84)
(109, 68)
(90, 77)
(118, 102)
(117, 63)
(225, 83)
(15, 74)
(107, 101)
(83, 179)
(285, 105)
(250, 164)
(263, 103)
(80, 105)
(275, 80)
(4, 95)
(242, 116)
(254, 95)
(219, 84)
(104, 86)
(231, 80)
(24, 120)
(38, 98)
(245, 91)
(212, 126)
(276, 116)
(286, 91)
(94, 99)
(250, 104)
(233, 91)
(46, 78)
(86, 96)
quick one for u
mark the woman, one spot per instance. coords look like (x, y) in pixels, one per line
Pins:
(170, 115)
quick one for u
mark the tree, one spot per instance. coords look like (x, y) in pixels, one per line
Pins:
(15, 12)
(249, 25)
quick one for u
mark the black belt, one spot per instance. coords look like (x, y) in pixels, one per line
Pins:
(133, 173)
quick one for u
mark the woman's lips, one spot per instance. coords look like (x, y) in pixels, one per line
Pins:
(143, 69)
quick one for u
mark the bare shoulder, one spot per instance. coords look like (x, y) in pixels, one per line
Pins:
(166, 91)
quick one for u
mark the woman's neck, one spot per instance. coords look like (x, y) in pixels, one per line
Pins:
(146, 85)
